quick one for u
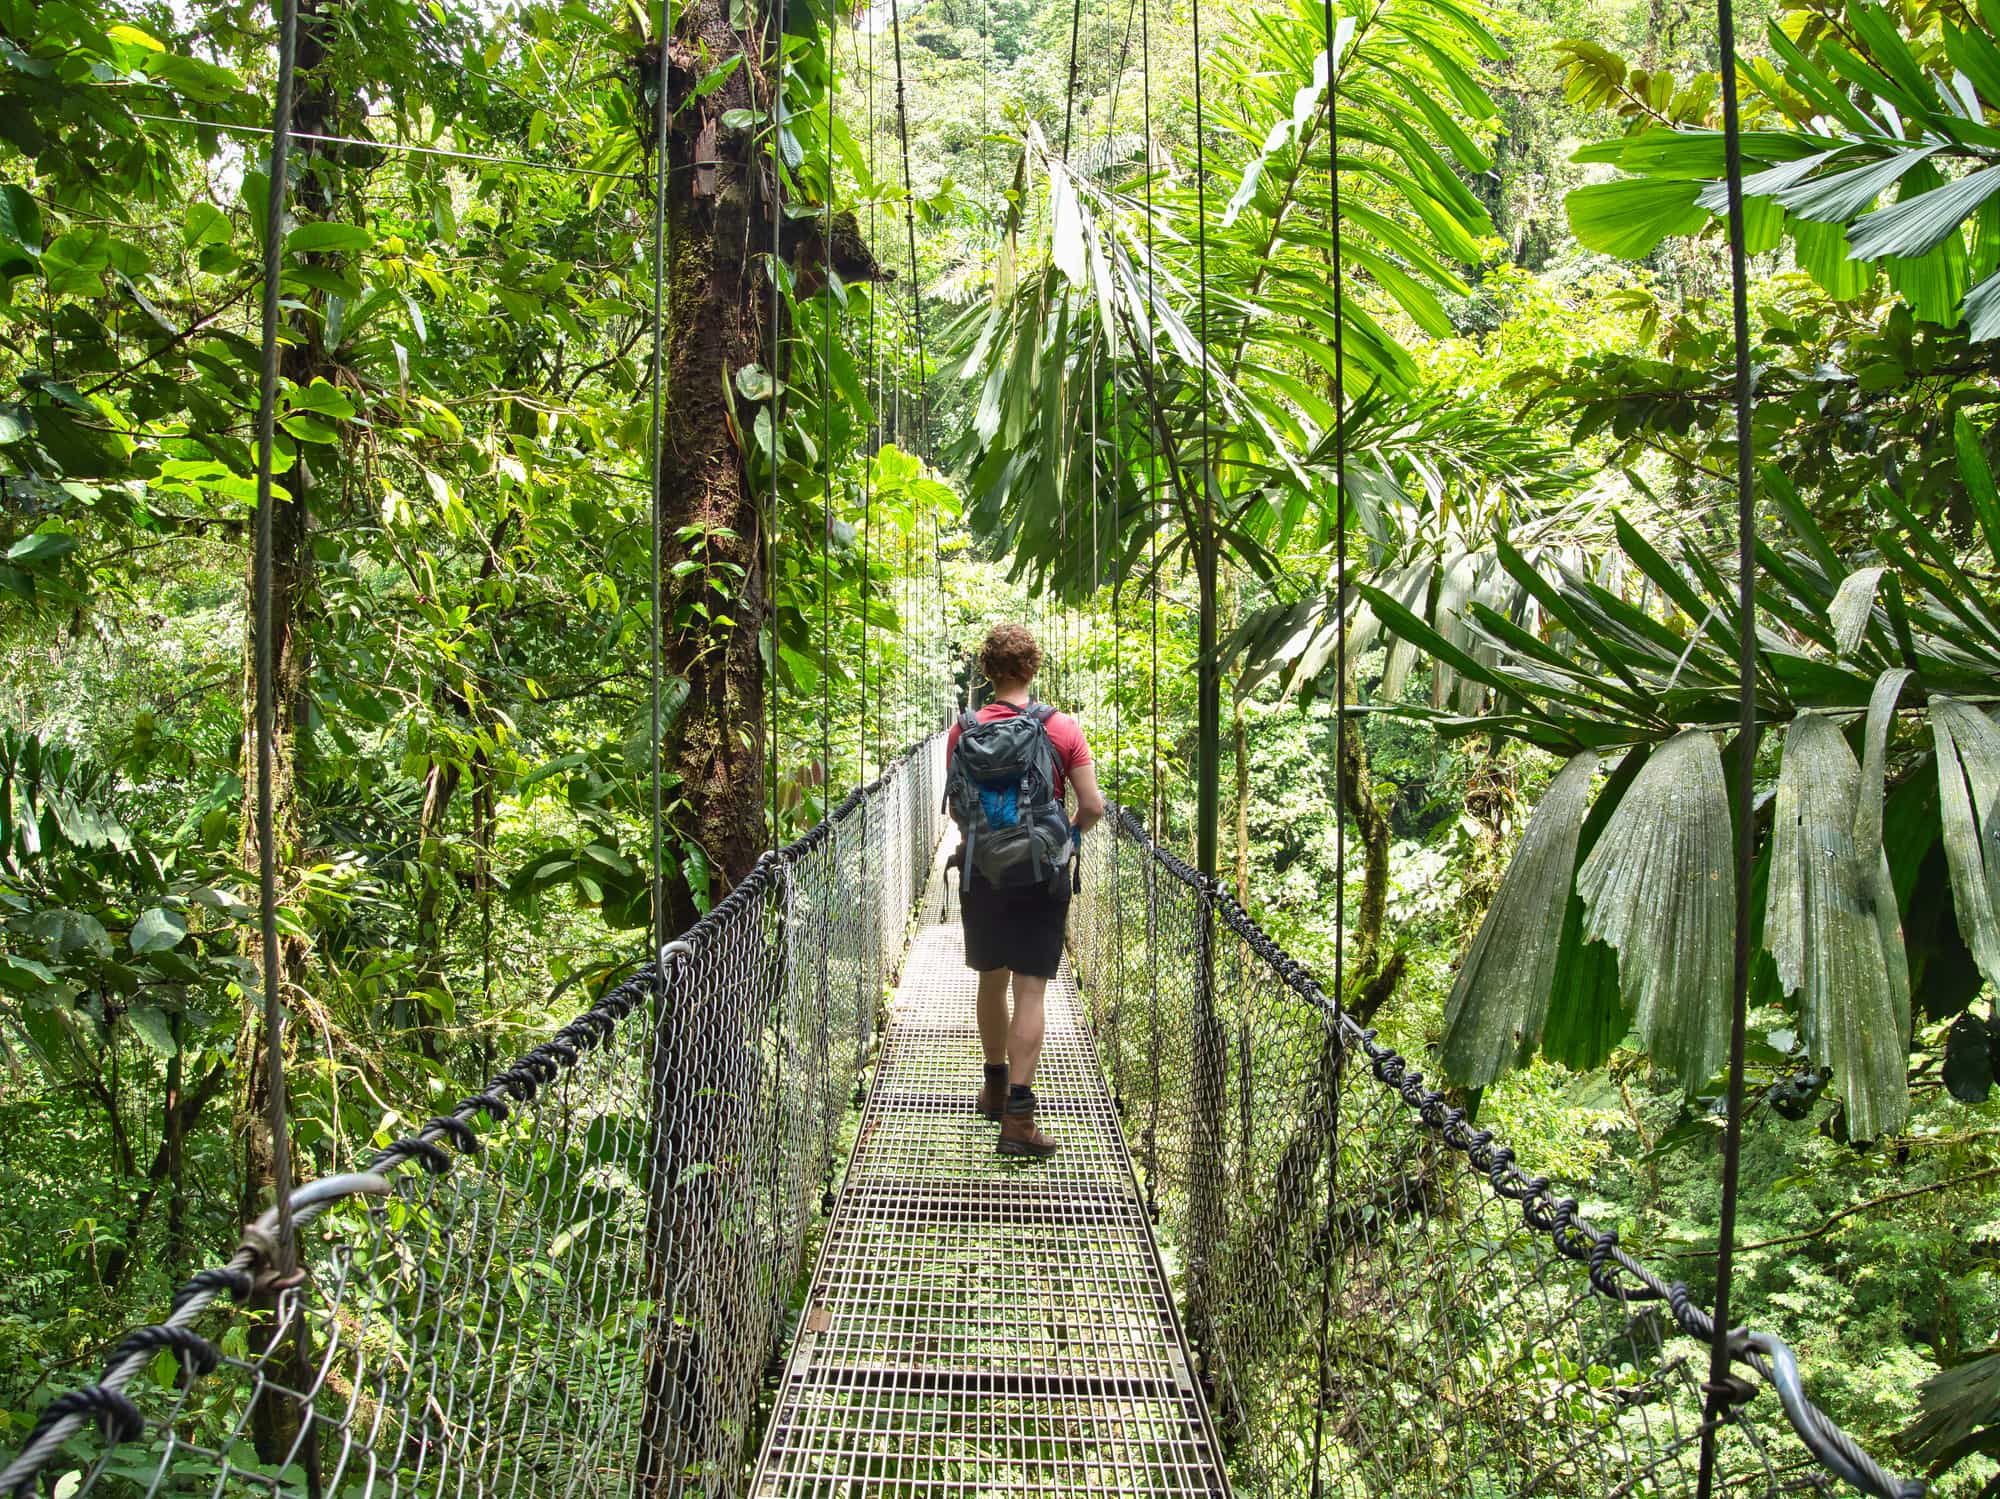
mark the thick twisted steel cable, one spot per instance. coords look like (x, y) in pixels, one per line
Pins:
(773, 614)
(1746, 742)
(662, 115)
(1340, 726)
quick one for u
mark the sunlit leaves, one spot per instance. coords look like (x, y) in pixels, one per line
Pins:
(1819, 154)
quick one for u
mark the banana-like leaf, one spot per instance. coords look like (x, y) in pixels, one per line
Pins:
(1823, 929)
(1968, 761)
(1493, 1020)
(1659, 888)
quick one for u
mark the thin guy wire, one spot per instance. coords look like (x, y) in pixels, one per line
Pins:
(482, 157)
(1339, 730)
(661, 118)
(277, 191)
(777, 403)
(1205, 511)
(1746, 748)
(1069, 94)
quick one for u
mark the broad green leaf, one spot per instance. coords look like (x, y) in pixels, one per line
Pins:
(1853, 606)
(1917, 225)
(1822, 930)
(1822, 250)
(1868, 830)
(1629, 218)
(151, 1027)
(328, 238)
(1968, 764)
(1978, 476)
(1836, 197)
(41, 547)
(1587, 1015)
(1659, 889)
(157, 930)
(20, 220)
(1493, 1020)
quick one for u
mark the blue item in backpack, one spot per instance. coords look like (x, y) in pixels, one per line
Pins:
(1002, 805)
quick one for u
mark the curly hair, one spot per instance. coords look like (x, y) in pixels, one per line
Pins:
(1009, 654)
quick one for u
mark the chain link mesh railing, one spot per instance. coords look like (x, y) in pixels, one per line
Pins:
(1431, 1320)
(575, 1281)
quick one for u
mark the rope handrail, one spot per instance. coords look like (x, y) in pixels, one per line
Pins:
(1559, 1220)
(252, 1267)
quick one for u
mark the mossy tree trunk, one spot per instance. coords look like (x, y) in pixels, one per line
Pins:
(713, 751)
(718, 311)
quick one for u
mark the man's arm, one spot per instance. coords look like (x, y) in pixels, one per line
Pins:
(1089, 800)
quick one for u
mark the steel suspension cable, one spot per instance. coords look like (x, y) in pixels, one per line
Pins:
(1746, 752)
(777, 406)
(263, 566)
(1207, 675)
(916, 297)
(875, 447)
(1339, 735)
(1155, 796)
(824, 915)
(661, 117)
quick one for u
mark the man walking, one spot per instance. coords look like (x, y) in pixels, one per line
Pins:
(1008, 769)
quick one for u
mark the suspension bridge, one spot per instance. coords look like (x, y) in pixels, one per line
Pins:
(1271, 1260)
(733, 1230)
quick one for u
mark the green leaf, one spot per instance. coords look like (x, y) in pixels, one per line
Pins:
(152, 1028)
(1968, 765)
(1659, 888)
(1853, 607)
(1587, 1016)
(158, 930)
(1836, 197)
(20, 219)
(42, 547)
(1629, 218)
(1919, 224)
(326, 238)
(1821, 928)
(1493, 1020)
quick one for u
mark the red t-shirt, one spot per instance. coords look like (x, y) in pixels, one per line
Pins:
(1063, 731)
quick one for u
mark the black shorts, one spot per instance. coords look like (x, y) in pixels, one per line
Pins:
(1019, 927)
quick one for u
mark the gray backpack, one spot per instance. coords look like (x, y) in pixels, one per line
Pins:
(1000, 790)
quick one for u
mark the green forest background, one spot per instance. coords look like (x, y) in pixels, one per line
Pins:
(990, 390)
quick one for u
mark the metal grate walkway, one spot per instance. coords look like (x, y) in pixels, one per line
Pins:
(980, 1326)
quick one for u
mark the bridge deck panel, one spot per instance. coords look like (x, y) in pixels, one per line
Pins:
(979, 1325)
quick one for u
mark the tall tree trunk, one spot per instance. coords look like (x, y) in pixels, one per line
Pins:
(718, 214)
(291, 591)
(275, 1418)
(718, 210)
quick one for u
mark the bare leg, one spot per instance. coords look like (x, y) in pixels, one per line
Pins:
(1024, 1041)
(992, 1010)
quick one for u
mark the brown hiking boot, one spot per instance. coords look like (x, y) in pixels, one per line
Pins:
(993, 1092)
(1018, 1134)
